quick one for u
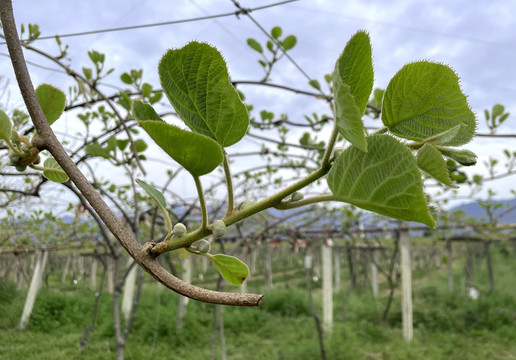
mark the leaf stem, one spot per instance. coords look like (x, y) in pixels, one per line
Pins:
(229, 183)
(235, 217)
(308, 201)
(331, 143)
(202, 204)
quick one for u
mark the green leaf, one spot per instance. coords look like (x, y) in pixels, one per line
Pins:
(197, 153)
(126, 78)
(349, 118)
(497, 110)
(5, 126)
(144, 111)
(97, 150)
(56, 175)
(146, 89)
(52, 101)
(255, 45)
(315, 84)
(464, 157)
(140, 145)
(355, 69)
(232, 269)
(385, 180)
(352, 85)
(445, 137)
(276, 32)
(87, 72)
(153, 193)
(196, 81)
(111, 143)
(122, 144)
(424, 99)
(289, 42)
(430, 160)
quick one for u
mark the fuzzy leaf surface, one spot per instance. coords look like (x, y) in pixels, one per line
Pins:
(196, 81)
(430, 160)
(197, 153)
(385, 180)
(353, 82)
(423, 100)
(144, 111)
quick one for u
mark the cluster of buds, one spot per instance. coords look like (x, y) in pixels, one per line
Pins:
(27, 155)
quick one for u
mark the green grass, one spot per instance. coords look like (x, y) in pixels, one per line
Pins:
(447, 325)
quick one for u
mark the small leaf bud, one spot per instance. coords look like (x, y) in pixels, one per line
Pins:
(244, 204)
(21, 168)
(202, 246)
(219, 229)
(464, 157)
(297, 196)
(337, 152)
(179, 229)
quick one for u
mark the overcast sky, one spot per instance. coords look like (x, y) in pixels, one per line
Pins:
(476, 38)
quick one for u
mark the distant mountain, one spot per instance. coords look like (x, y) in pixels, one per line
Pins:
(472, 209)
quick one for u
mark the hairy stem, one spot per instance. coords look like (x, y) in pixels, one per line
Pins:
(229, 183)
(47, 140)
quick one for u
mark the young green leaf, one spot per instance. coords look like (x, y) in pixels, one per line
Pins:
(430, 160)
(352, 85)
(5, 126)
(197, 153)
(289, 42)
(142, 111)
(464, 157)
(54, 172)
(385, 180)
(255, 45)
(52, 101)
(153, 193)
(276, 32)
(348, 117)
(97, 150)
(196, 81)
(315, 84)
(355, 69)
(232, 269)
(423, 100)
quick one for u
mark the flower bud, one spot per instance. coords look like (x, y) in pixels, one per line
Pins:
(179, 229)
(202, 246)
(21, 168)
(219, 229)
